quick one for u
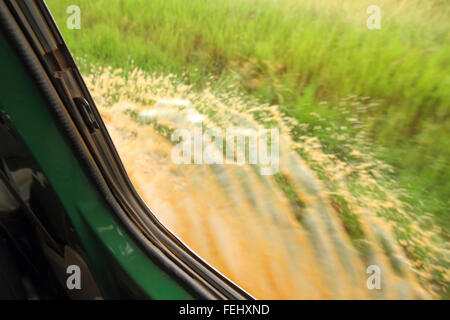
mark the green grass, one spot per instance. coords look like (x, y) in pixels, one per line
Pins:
(299, 54)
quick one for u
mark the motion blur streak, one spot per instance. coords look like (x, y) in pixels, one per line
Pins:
(242, 223)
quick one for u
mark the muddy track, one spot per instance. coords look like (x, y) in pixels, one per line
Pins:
(240, 221)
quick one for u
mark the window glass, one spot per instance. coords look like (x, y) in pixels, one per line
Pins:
(288, 143)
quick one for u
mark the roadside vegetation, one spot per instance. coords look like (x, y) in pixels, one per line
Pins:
(369, 109)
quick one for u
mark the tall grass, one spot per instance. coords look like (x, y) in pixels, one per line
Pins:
(295, 53)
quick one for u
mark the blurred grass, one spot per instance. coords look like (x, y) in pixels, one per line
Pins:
(306, 56)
